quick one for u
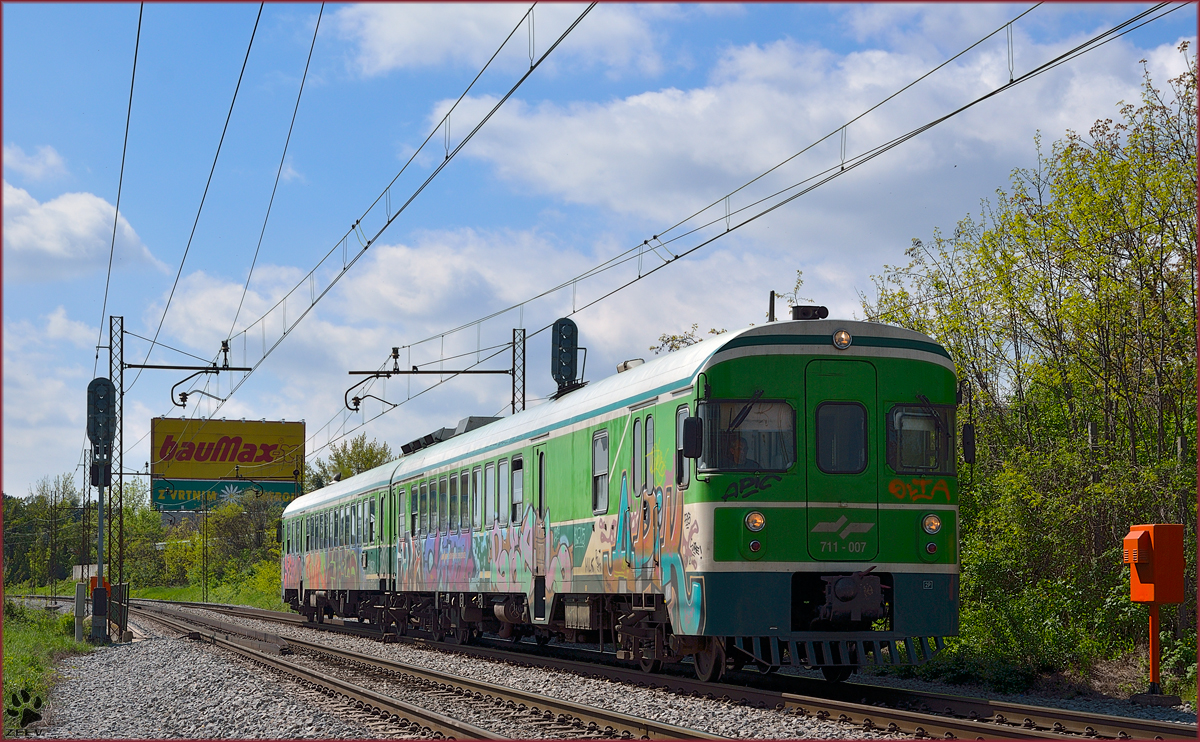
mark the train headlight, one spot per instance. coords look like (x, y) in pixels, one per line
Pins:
(842, 339)
(755, 521)
(932, 524)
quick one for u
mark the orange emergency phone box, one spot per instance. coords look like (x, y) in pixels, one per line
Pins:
(1154, 554)
(108, 587)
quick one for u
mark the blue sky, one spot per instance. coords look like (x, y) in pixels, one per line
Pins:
(641, 117)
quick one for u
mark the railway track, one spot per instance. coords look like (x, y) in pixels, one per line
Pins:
(526, 715)
(868, 707)
(877, 708)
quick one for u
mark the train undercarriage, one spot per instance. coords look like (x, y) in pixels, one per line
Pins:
(637, 626)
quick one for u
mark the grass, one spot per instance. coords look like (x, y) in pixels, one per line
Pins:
(34, 640)
(258, 587)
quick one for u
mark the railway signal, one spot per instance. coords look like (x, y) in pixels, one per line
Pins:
(101, 427)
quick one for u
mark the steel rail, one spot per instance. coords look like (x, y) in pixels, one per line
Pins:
(929, 713)
(1069, 721)
(621, 723)
(374, 702)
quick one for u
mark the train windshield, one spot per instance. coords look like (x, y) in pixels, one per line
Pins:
(921, 439)
(747, 435)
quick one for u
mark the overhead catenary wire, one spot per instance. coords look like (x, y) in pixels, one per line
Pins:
(278, 171)
(203, 197)
(836, 171)
(112, 248)
(369, 241)
(630, 255)
(385, 195)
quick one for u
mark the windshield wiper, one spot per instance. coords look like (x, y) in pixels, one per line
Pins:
(937, 419)
(745, 411)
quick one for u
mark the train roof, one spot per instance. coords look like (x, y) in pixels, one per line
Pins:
(673, 372)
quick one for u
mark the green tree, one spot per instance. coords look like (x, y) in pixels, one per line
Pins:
(345, 460)
(1069, 307)
(668, 343)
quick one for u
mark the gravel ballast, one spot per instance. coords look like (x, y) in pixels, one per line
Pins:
(166, 688)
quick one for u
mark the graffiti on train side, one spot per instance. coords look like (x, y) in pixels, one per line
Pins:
(650, 543)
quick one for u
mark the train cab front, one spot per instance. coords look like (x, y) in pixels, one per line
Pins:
(832, 487)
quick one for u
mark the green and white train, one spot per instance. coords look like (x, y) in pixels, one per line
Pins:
(780, 495)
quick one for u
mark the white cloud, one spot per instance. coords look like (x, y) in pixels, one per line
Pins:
(46, 163)
(66, 237)
(661, 154)
(289, 173)
(61, 327)
(405, 36)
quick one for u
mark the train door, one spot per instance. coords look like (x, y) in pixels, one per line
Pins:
(645, 518)
(541, 533)
(842, 460)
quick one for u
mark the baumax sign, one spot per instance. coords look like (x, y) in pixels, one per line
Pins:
(215, 449)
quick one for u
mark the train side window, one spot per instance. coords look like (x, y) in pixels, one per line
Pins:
(648, 458)
(489, 493)
(841, 437)
(464, 501)
(453, 504)
(505, 495)
(424, 506)
(600, 472)
(682, 466)
(414, 516)
(476, 499)
(518, 488)
(476, 505)
(443, 505)
(401, 514)
(639, 452)
(371, 522)
(432, 507)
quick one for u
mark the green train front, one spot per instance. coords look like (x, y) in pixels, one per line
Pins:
(779, 495)
(828, 477)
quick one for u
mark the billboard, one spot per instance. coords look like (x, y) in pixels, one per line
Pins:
(200, 494)
(225, 449)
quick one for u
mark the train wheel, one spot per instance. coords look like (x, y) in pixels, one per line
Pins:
(710, 661)
(837, 674)
(649, 664)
